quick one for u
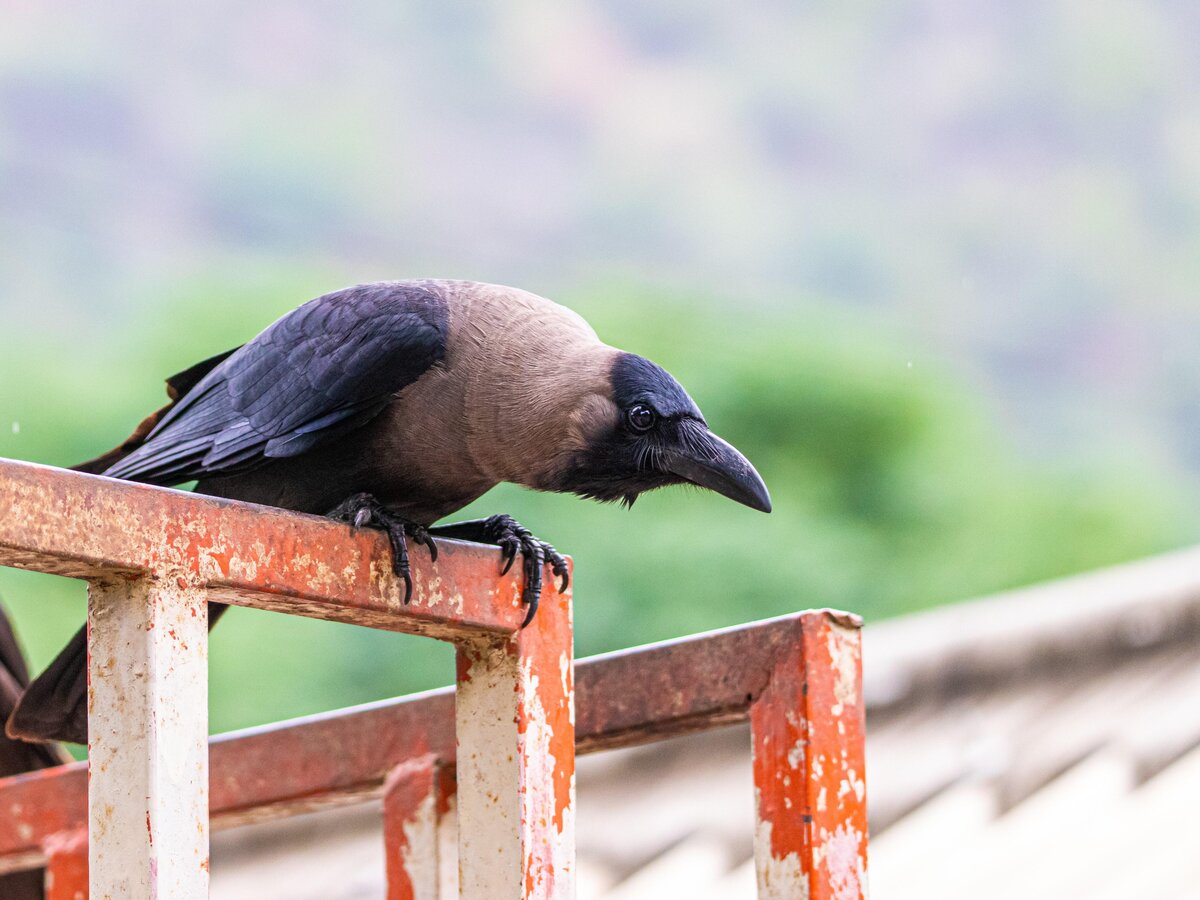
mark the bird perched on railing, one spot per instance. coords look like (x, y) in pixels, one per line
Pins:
(391, 406)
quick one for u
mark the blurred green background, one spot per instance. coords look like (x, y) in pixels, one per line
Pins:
(931, 265)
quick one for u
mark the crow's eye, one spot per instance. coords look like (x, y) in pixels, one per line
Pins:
(640, 417)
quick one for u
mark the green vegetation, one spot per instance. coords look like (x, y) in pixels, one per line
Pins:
(895, 488)
(933, 267)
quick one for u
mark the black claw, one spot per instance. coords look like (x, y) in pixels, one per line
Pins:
(421, 536)
(558, 565)
(509, 555)
(514, 539)
(400, 564)
(534, 560)
(363, 510)
(531, 612)
(533, 587)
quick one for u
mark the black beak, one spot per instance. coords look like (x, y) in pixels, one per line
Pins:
(706, 460)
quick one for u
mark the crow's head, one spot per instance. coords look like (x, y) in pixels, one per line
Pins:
(653, 435)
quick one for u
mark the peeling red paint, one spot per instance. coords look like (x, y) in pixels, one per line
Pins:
(446, 786)
(414, 800)
(86, 527)
(462, 668)
(623, 699)
(516, 728)
(809, 765)
(67, 866)
(545, 648)
(546, 737)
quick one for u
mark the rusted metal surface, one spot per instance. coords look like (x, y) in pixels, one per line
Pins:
(515, 721)
(294, 766)
(154, 556)
(418, 798)
(661, 690)
(154, 559)
(148, 739)
(37, 806)
(87, 526)
(67, 866)
(279, 769)
(622, 699)
(808, 728)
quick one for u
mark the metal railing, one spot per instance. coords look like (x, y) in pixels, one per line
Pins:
(501, 747)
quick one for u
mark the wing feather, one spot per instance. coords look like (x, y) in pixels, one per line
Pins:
(324, 369)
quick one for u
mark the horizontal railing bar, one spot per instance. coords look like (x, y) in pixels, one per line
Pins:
(670, 688)
(622, 699)
(87, 526)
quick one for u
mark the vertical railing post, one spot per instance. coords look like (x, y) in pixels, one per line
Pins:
(418, 802)
(67, 866)
(148, 739)
(808, 728)
(516, 761)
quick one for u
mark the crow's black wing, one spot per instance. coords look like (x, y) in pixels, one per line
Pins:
(322, 370)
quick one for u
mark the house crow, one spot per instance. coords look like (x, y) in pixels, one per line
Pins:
(393, 405)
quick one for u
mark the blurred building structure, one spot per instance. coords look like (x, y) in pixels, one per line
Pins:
(1043, 743)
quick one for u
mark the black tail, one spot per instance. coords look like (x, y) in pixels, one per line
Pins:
(17, 756)
(54, 706)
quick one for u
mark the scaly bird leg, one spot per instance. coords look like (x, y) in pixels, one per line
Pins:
(512, 538)
(364, 511)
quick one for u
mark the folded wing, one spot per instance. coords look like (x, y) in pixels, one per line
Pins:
(321, 371)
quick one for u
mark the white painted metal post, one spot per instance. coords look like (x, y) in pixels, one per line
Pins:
(148, 740)
(516, 761)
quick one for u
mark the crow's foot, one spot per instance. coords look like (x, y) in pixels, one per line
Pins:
(513, 538)
(364, 511)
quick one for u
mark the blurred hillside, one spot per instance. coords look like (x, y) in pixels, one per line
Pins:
(930, 264)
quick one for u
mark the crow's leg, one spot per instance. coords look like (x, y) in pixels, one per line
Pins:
(364, 511)
(512, 538)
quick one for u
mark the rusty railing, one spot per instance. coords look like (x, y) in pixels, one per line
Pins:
(500, 747)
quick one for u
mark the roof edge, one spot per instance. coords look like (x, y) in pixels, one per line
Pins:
(1075, 621)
